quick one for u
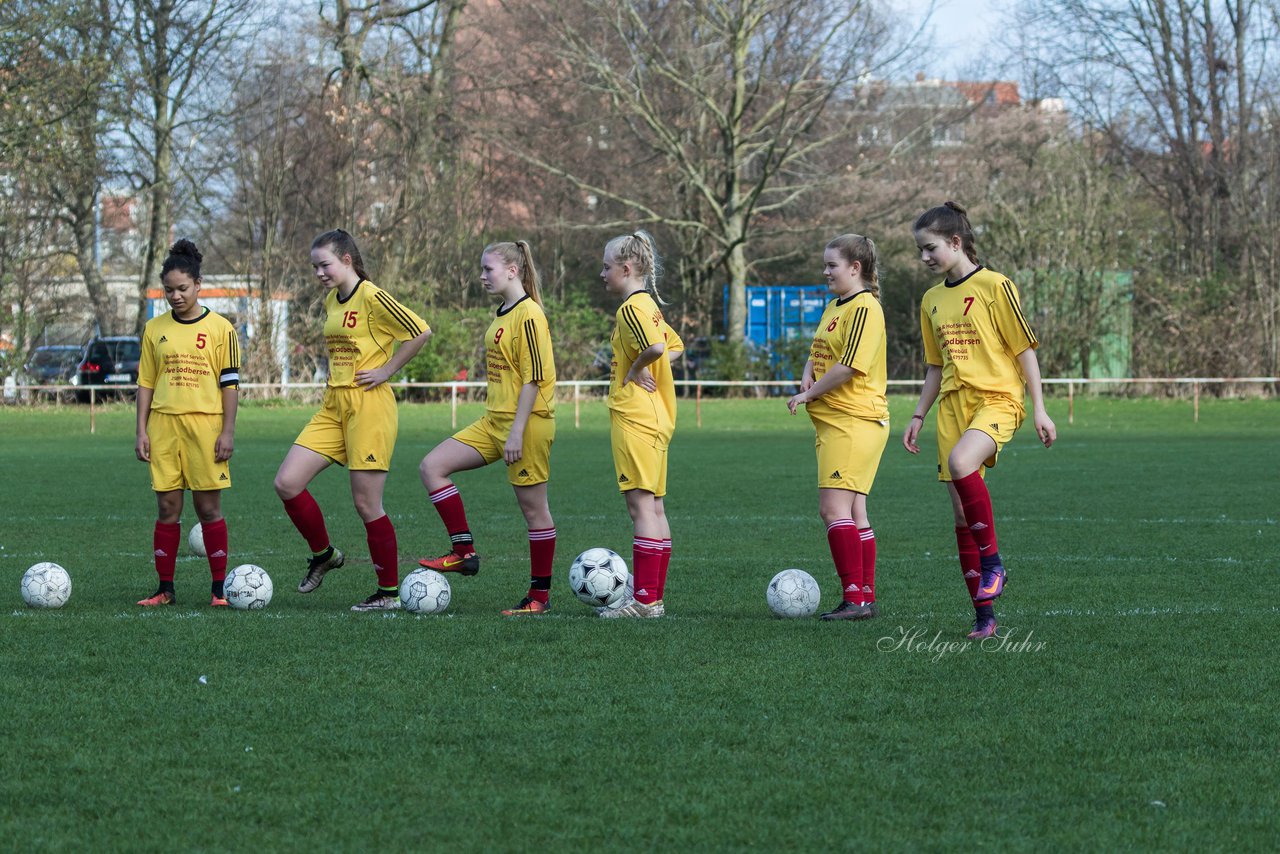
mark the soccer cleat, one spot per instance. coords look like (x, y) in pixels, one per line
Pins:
(161, 597)
(635, 608)
(318, 566)
(991, 584)
(528, 606)
(853, 611)
(984, 626)
(467, 564)
(218, 602)
(380, 601)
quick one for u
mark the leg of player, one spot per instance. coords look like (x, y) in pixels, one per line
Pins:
(366, 492)
(646, 557)
(867, 544)
(167, 535)
(300, 467)
(214, 529)
(965, 463)
(660, 507)
(836, 507)
(436, 469)
(542, 549)
(984, 615)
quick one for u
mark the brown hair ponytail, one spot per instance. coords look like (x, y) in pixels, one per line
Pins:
(949, 220)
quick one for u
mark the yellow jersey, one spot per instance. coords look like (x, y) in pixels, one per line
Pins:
(851, 333)
(517, 352)
(974, 330)
(361, 331)
(189, 362)
(639, 325)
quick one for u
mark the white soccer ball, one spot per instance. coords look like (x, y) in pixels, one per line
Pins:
(425, 591)
(792, 593)
(599, 578)
(248, 588)
(46, 585)
(195, 541)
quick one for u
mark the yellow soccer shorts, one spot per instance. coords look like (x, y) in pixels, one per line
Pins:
(182, 452)
(849, 448)
(489, 437)
(354, 428)
(639, 461)
(997, 415)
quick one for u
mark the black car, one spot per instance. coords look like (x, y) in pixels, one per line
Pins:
(108, 361)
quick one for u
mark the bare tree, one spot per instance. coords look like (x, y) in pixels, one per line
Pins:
(1182, 91)
(715, 113)
(179, 55)
(58, 66)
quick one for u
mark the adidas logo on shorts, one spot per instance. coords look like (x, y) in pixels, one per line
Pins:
(370, 459)
(835, 475)
(523, 473)
(995, 426)
(622, 478)
(222, 476)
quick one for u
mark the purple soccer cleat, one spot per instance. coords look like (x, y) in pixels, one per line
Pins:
(991, 585)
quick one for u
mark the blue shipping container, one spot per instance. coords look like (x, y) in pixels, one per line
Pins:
(781, 312)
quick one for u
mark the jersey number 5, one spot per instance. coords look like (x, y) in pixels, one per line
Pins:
(201, 339)
(349, 319)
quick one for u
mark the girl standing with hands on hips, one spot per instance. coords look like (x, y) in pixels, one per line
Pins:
(518, 426)
(981, 352)
(843, 390)
(642, 413)
(188, 391)
(357, 423)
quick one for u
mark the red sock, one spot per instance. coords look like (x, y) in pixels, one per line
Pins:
(970, 559)
(542, 553)
(308, 519)
(646, 565)
(215, 545)
(846, 554)
(381, 536)
(868, 538)
(977, 511)
(448, 504)
(165, 541)
(662, 568)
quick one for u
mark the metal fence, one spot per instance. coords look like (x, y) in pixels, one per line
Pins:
(455, 392)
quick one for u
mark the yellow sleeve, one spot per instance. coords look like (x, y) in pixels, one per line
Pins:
(147, 362)
(635, 330)
(229, 370)
(533, 350)
(1006, 310)
(860, 335)
(932, 353)
(394, 319)
(674, 344)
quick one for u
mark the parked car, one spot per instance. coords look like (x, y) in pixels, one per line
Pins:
(108, 361)
(51, 364)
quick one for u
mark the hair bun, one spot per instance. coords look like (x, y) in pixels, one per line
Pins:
(186, 248)
(954, 206)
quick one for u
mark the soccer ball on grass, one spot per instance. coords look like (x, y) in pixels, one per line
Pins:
(425, 591)
(599, 578)
(792, 593)
(248, 588)
(46, 585)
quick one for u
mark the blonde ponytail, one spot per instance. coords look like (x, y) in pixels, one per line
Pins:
(519, 255)
(638, 249)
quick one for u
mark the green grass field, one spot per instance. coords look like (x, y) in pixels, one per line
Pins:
(1134, 706)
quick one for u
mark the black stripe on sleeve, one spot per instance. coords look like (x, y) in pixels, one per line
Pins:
(1017, 311)
(233, 348)
(399, 313)
(535, 355)
(856, 327)
(633, 322)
